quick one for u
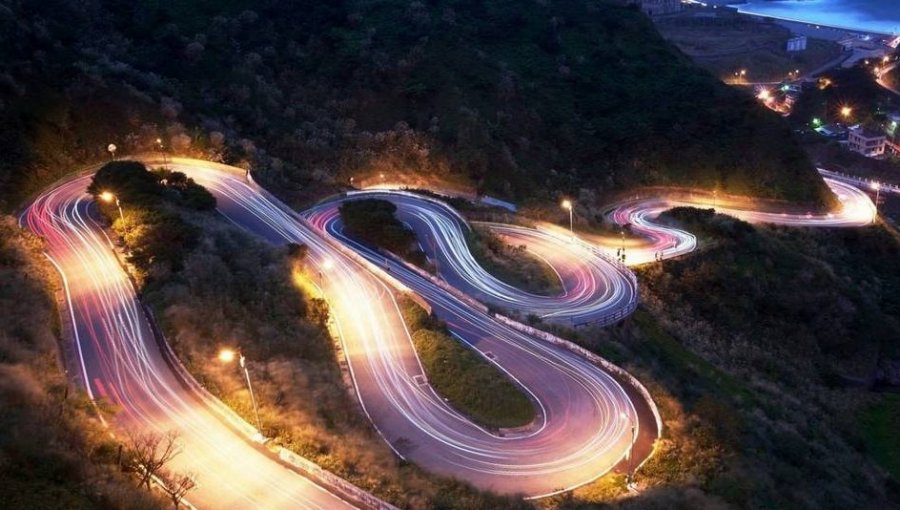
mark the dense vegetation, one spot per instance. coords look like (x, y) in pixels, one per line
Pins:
(149, 224)
(469, 382)
(512, 264)
(372, 222)
(522, 100)
(763, 351)
(54, 453)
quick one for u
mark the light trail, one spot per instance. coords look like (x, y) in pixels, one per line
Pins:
(122, 364)
(856, 210)
(578, 435)
(594, 287)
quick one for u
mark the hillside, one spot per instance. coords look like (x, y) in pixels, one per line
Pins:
(521, 100)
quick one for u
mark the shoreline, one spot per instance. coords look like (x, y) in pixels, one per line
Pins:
(741, 8)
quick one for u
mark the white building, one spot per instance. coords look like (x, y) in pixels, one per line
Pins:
(796, 43)
(867, 142)
(658, 7)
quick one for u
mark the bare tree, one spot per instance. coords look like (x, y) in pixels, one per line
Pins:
(148, 452)
(177, 485)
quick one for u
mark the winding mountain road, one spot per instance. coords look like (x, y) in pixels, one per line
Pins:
(579, 433)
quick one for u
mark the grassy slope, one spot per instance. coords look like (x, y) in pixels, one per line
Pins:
(471, 384)
(512, 264)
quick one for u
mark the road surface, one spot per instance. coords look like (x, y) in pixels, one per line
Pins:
(579, 434)
(856, 210)
(594, 287)
(122, 364)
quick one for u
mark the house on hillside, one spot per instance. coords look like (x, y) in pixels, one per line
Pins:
(657, 7)
(866, 141)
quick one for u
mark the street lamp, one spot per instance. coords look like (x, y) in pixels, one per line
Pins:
(112, 151)
(227, 356)
(629, 479)
(567, 204)
(846, 111)
(162, 149)
(877, 187)
(108, 197)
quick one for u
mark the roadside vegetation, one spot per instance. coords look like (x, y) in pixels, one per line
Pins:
(226, 289)
(521, 101)
(469, 382)
(763, 354)
(372, 222)
(54, 452)
(514, 265)
(880, 429)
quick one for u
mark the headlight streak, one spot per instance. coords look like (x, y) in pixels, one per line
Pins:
(579, 435)
(593, 288)
(122, 364)
(856, 210)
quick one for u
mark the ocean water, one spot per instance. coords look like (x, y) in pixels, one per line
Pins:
(876, 16)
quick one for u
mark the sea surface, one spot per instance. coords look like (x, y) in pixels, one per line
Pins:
(874, 16)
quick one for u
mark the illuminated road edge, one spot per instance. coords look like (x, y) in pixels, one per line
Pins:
(577, 437)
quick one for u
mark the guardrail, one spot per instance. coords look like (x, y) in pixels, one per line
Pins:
(590, 356)
(332, 482)
(869, 183)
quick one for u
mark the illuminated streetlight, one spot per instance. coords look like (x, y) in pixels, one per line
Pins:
(327, 265)
(567, 205)
(108, 197)
(227, 356)
(877, 187)
(630, 477)
(111, 148)
(846, 111)
(162, 149)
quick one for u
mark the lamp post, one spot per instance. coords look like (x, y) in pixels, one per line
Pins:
(629, 477)
(162, 149)
(877, 187)
(112, 151)
(106, 196)
(567, 205)
(227, 356)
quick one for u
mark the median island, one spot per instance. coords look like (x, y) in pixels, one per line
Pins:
(513, 265)
(470, 383)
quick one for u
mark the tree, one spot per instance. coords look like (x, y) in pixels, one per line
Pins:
(149, 452)
(177, 485)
